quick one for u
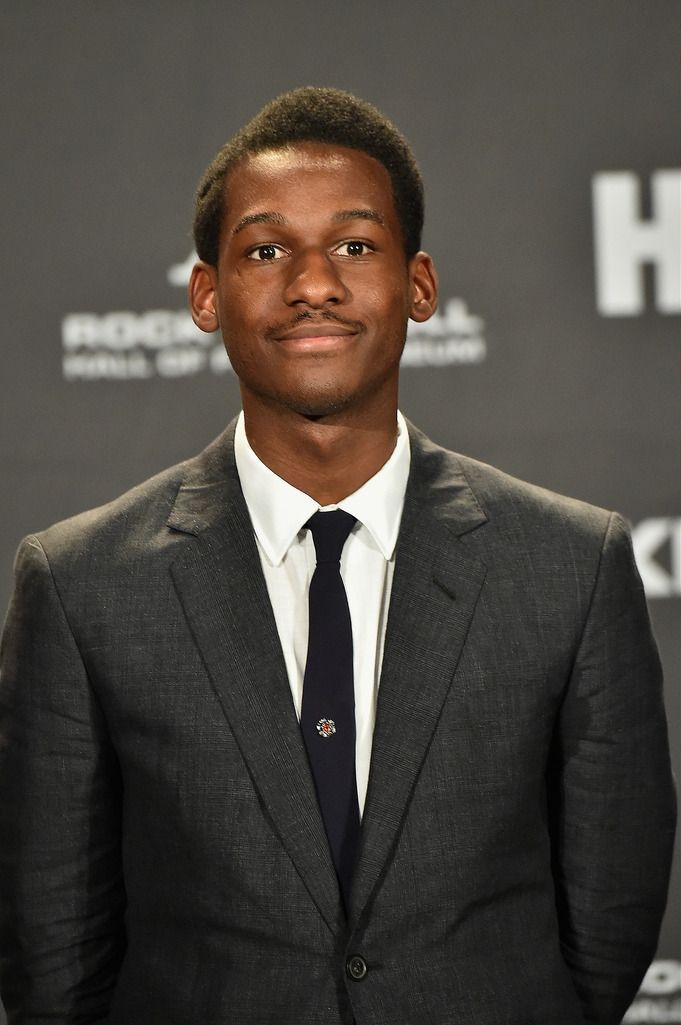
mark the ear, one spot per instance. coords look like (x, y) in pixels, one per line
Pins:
(423, 277)
(202, 296)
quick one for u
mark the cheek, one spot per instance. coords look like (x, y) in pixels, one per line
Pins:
(240, 307)
(392, 310)
(381, 300)
(392, 290)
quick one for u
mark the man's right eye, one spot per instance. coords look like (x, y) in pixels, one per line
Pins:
(266, 253)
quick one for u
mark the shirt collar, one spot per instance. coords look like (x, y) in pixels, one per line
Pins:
(279, 511)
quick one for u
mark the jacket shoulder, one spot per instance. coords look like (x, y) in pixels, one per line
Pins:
(131, 522)
(502, 494)
(512, 507)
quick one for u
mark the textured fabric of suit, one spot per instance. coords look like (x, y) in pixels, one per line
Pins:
(163, 856)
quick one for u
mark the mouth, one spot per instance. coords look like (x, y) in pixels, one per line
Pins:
(321, 336)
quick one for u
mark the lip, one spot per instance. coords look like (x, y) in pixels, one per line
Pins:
(316, 331)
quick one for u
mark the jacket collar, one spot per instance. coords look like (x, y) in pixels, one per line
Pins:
(437, 484)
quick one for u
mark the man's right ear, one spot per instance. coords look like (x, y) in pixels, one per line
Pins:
(202, 296)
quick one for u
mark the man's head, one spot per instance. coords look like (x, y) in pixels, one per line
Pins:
(305, 269)
(321, 115)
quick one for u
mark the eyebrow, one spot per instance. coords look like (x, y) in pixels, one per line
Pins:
(265, 217)
(272, 217)
(361, 214)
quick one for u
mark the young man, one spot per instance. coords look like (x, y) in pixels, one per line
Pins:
(239, 787)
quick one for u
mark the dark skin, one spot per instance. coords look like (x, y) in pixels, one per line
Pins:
(312, 293)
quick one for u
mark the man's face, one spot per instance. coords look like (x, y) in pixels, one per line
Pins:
(312, 291)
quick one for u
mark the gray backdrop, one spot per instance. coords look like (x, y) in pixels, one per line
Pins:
(546, 134)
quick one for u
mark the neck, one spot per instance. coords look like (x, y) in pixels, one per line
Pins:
(327, 458)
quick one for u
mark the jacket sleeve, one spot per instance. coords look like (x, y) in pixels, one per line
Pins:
(61, 891)
(611, 796)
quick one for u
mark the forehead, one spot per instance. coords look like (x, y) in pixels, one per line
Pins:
(314, 174)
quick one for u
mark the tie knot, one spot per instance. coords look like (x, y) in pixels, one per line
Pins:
(330, 532)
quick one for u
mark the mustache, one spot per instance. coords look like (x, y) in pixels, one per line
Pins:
(274, 331)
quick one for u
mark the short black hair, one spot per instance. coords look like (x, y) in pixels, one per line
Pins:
(314, 114)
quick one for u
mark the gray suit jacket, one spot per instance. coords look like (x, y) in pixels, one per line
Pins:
(163, 857)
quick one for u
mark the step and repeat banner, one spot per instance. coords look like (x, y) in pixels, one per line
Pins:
(546, 132)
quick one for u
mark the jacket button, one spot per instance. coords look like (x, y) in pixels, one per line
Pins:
(356, 967)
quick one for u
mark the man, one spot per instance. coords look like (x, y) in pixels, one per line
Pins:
(181, 813)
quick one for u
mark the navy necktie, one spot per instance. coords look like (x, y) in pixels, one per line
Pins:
(328, 711)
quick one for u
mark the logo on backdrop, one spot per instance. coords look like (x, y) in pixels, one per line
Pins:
(659, 998)
(625, 240)
(657, 547)
(123, 344)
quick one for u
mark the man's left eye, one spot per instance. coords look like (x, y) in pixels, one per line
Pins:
(353, 248)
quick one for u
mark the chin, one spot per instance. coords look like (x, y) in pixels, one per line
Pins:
(319, 403)
(317, 409)
(322, 399)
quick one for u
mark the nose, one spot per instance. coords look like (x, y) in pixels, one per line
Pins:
(314, 280)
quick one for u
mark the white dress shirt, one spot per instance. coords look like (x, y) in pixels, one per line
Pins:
(278, 512)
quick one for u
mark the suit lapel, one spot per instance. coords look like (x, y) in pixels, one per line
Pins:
(435, 589)
(223, 592)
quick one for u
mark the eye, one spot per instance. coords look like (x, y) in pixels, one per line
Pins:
(353, 248)
(266, 253)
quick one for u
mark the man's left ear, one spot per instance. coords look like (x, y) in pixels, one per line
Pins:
(423, 287)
